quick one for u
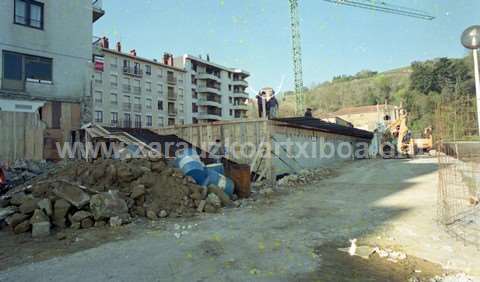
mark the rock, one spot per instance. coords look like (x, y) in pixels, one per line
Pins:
(5, 212)
(29, 206)
(100, 223)
(158, 166)
(116, 221)
(18, 198)
(60, 211)
(72, 194)
(225, 200)
(138, 191)
(61, 236)
(210, 208)
(39, 217)
(46, 206)
(214, 200)
(87, 222)
(201, 205)
(41, 229)
(76, 225)
(163, 214)
(16, 219)
(41, 190)
(22, 227)
(80, 216)
(107, 205)
(125, 175)
(4, 202)
(151, 214)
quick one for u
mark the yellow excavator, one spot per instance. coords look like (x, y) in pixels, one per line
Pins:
(398, 137)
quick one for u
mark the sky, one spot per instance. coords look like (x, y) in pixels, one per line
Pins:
(255, 35)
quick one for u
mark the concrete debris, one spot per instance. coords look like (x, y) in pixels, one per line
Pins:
(22, 171)
(84, 195)
(459, 277)
(391, 255)
(306, 176)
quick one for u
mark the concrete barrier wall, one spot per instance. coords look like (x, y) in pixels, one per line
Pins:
(21, 136)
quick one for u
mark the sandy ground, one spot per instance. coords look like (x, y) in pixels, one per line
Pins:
(292, 237)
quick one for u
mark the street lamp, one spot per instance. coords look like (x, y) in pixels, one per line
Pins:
(471, 40)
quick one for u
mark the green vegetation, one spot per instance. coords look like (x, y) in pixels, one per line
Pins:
(420, 89)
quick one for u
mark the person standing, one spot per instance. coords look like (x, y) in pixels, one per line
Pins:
(217, 151)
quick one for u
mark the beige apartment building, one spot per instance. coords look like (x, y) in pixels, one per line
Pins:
(217, 92)
(131, 91)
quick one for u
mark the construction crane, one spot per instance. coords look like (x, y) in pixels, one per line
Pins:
(373, 5)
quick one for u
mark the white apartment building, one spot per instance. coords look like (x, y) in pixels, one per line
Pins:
(131, 91)
(217, 92)
(46, 60)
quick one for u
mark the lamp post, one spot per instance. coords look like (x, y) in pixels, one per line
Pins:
(471, 40)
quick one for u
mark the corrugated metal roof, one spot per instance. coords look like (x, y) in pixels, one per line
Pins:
(324, 126)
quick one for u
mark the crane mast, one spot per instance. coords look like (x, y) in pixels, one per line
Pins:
(297, 57)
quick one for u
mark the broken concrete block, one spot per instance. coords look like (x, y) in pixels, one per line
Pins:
(18, 198)
(60, 211)
(209, 208)
(116, 221)
(72, 194)
(137, 191)
(163, 214)
(22, 227)
(151, 214)
(100, 223)
(214, 200)
(5, 212)
(16, 219)
(46, 206)
(29, 206)
(225, 200)
(80, 216)
(41, 229)
(76, 225)
(38, 217)
(106, 205)
(201, 206)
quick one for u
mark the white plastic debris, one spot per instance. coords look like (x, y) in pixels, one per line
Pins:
(353, 247)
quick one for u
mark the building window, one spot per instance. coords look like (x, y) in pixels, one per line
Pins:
(29, 13)
(114, 98)
(160, 73)
(138, 121)
(114, 80)
(231, 112)
(160, 122)
(114, 120)
(160, 88)
(136, 69)
(98, 97)
(148, 69)
(127, 121)
(148, 103)
(171, 121)
(114, 63)
(18, 66)
(160, 105)
(99, 116)
(148, 86)
(149, 121)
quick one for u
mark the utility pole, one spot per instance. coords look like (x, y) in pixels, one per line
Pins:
(471, 40)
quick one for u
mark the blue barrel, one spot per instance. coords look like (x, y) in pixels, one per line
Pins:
(191, 165)
(221, 181)
(216, 167)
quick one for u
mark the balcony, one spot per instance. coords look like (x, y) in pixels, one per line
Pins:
(172, 112)
(137, 90)
(243, 95)
(127, 107)
(240, 82)
(172, 95)
(205, 75)
(98, 12)
(137, 108)
(242, 107)
(137, 72)
(209, 116)
(206, 102)
(126, 88)
(208, 89)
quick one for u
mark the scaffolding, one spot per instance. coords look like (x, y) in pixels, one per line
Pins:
(458, 208)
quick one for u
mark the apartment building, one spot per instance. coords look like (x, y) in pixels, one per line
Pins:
(131, 91)
(217, 92)
(45, 54)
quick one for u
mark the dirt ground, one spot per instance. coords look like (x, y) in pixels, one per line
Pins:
(287, 237)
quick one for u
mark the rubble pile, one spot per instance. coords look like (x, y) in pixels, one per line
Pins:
(305, 176)
(22, 171)
(84, 195)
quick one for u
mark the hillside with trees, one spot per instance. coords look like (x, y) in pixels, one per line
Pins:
(419, 88)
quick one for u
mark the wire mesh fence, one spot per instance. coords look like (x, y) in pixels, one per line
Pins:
(458, 207)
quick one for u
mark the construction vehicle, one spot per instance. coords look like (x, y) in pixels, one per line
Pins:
(424, 144)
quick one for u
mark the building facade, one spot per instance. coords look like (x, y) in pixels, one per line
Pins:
(217, 92)
(131, 91)
(45, 59)
(364, 117)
